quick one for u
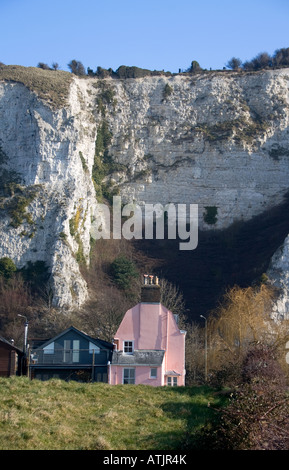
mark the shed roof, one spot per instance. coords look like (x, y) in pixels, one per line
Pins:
(8, 343)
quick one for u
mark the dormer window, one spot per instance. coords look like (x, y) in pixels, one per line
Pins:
(128, 347)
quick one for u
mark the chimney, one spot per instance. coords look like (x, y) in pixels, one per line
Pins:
(150, 291)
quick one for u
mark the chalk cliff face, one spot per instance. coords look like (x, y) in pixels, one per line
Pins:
(219, 140)
(278, 273)
(40, 150)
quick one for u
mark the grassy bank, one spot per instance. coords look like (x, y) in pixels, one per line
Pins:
(61, 415)
(51, 86)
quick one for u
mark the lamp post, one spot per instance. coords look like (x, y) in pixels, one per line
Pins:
(25, 333)
(206, 348)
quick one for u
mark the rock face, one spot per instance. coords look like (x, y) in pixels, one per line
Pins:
(41, 150)
(278, 274)
(219, 140)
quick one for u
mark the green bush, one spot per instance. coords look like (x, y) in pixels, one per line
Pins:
(18, 208)
(104, 165)
(123, 272)
(7, 267)
(167, 91)
(132, 72)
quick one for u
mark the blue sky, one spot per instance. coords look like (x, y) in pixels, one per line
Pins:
(154, 34)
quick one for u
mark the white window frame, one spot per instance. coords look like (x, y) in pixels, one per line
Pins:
(172, 380)
(126, 346)
(156, 373)
(131, 379)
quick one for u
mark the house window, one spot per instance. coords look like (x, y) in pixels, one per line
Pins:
(153, 374)
(128, 347)
(172, 381)
(49, 349)
(128, 376)
(75, 352)
(93, 348)
(71, 355)
(66, 350)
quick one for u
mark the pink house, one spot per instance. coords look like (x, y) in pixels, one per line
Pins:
(149, 348)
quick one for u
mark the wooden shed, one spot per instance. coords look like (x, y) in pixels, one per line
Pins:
(11, 359)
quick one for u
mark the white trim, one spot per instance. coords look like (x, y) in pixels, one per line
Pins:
(128, 368)
(132, 346)
(172, 380)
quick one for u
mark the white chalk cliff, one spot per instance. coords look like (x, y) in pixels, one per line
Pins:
(216, 139)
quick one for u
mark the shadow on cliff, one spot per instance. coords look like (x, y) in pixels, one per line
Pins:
(238, 255)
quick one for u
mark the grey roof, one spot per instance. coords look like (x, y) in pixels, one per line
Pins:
(3, 340)
(171, 372)
(97, 341)
(141, 357)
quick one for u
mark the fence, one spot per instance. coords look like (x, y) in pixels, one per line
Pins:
(68, 356)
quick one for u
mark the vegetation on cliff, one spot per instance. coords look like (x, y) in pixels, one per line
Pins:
(52, 84)
(52, 87)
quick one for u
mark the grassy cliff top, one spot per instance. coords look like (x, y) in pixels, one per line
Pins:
(49, 85)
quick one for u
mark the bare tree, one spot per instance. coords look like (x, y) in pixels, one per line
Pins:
(241, 320)
(171, 297)
(42, 65)
(76, 67)
(281, 57)
(234, 63)
(102, 314)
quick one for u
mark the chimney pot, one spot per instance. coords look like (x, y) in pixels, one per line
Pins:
(150, 292)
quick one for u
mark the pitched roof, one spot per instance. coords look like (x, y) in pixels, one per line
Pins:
(3, 340)
(97, 341)
(143, 357)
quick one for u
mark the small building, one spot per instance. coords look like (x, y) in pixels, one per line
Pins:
(149, 347)
(71, 355)
(11, 359)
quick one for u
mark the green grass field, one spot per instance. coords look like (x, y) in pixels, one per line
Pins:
(58, 415)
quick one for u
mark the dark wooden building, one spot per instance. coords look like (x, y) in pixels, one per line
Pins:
(71, 355)
(11, 359)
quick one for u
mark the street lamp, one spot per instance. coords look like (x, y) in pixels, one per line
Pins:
(25, 333)
(206, 348)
